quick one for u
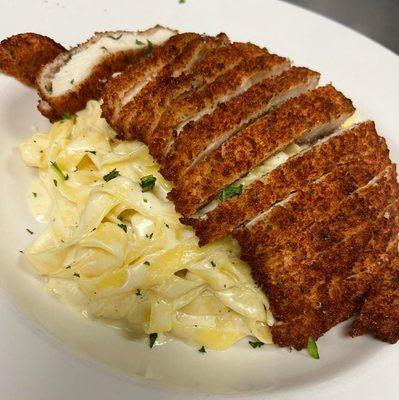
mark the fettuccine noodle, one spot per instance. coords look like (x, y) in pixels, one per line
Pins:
(117, 252)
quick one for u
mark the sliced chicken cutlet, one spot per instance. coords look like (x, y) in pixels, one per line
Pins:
(295, 173)
(379, 314)
(122, 88)
(72, 78)
(317, 272)
(256, 65)
(22, 55)
(303, 118)
(199, 138)
(150, 106)
(151, 100)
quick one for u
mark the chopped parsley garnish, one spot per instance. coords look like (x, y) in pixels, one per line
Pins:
(67, 115)
(104, 48)
(139, 42)
(58, 170)
(34, 194)
(76, 274)
(213, 263)
(29, 231)
(152, 339)
(230, 191)
(167, 226)
(123, 226)
(146, 263)
(21, 251)
(312, 349)
(145, 200)
(149, 236)
(115, 38)
(147, 183)
(182, 1)
(48, 88)
(150, 47)
(91, 151)
(202, 350)
(68, 267)
(55, 182)
(72, 81)
(111, 175)
(256, 344)
(138, 292)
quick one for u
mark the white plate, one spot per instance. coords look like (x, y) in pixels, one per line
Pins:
(48, 352)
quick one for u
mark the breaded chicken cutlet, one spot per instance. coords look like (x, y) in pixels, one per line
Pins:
(22, 55)
(256, 150)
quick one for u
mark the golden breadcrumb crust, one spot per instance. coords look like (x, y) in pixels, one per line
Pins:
(230, 116)
(22, 55)
(117, 87)
(297, 172)
(91, 87)
(249, 147)
(317, 275)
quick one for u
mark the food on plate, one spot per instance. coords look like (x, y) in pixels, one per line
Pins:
(198, 138)
(301, 119)
(22, 55)
(269, 168)
(114, 247)
(74, 77)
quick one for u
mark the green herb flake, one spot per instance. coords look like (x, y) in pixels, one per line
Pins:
(68, 267)
(145, 200)
(21, 251)
(111, 175)
(72, 81)
(123, 226)
(230, 191)
(138, 292)
(202, 350)
(55, 182)
(167, 226)
(139, 42)
(147, 183)
(150, 47)
(213, 263)
(76, 274)
(149, 236)
(182, 1)
(34, 194)
(59, 172)
(115, 37)
(48, 88)
(256, 344)
(67, 115)
(152, 338)
(146, 263)
(91, 151)
(312, 349)
(29, 231)
(104, 48)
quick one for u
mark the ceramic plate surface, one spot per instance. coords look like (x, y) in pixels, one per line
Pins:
(48, 351)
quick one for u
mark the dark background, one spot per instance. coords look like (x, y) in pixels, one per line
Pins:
(377, 19)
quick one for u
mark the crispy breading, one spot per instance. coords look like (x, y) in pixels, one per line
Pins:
(149, 105)
(192, 52)
(22, 55)
(296, 173)
(379, 314)
(317, 275)
(213, 129)
(316, 111)
(47, 111)
(121, 89)
(192, 106)
(91, 87)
